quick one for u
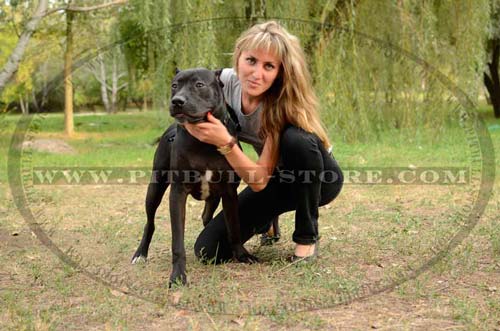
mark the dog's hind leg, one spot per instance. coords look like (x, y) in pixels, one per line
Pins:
(211, 205)
(231, 217)
(273, 234)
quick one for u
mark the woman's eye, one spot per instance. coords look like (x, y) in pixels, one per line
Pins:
(199, 84)
(174, 86)
(269, 66)
(250, 60)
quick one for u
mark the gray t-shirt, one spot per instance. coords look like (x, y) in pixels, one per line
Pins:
(250, 124)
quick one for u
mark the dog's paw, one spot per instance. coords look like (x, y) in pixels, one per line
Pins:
(177, 279)
(139, 259)
(240, 254)
(247, 258)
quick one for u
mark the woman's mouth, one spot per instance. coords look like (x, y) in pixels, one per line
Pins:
(253, 84)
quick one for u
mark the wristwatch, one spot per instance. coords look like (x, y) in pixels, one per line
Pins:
(227, 148)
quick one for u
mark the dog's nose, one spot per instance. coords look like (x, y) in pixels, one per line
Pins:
(178, 101)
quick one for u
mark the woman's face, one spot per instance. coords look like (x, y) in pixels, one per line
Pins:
(257, 70)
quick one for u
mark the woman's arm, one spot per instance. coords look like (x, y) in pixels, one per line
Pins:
(255, 174)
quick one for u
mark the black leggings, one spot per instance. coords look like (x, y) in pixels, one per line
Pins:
(310, 177)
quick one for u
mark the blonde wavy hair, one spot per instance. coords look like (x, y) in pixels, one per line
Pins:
(291, 98)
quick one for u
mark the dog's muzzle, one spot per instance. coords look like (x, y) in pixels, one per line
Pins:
(181, 115)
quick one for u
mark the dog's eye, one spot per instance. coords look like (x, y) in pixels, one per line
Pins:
(174, 86)
(200, 84)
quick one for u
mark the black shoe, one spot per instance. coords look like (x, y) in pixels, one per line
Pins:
(306, 259)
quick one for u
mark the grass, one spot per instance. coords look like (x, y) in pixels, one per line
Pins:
(369, 235)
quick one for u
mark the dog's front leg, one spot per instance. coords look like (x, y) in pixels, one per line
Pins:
(231, 217)
(178, 197)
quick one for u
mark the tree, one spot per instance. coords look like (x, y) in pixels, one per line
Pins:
(68, 58)
(491, 75)
(98, 69)
(68, 83)
(15, 58)
(28, 86)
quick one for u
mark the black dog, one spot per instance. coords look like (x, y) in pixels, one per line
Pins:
(193, 167)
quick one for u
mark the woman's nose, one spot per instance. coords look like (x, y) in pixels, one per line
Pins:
(257, 73)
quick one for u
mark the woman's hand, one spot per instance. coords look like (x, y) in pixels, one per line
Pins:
(211, 132)
(255, 174)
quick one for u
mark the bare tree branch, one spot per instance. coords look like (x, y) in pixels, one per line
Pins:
(86, 9)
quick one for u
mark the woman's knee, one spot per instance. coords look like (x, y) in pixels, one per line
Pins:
(211, 253)
(201, 251)
(294, 138)
(211, 246)
(299, 148)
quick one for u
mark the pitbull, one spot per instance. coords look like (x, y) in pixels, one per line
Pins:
(190, 166)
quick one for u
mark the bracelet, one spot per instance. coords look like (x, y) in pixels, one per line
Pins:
(228, 148)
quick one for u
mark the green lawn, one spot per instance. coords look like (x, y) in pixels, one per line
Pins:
(371, 236)
(127, 139)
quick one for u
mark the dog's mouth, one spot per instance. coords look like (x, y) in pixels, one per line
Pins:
(182, 117)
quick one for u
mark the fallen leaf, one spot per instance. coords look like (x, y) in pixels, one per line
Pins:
(176, 297)
(181, 312)
(117, 293)
(238, 321)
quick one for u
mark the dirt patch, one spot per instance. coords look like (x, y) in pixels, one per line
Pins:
(54, 146)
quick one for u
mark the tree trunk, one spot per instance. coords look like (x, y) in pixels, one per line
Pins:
(15, 58)
(35, 101)
(24, 104)
(21, 104)
(41, 96)
(492, 81)
(68, 84)
(114, 84)
(102, 81)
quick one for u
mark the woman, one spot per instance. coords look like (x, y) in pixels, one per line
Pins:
(271, 93)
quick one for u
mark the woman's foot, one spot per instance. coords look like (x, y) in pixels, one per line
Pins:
(305, 252)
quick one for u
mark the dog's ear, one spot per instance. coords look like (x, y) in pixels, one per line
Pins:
(217, 73)
(177, 70)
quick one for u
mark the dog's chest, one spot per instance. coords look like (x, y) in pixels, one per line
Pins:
(205, 180)
(203, 184)
(201, 169)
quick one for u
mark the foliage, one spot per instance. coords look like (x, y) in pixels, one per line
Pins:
(375, 64)
(23, 82)
(493, 25)
(384, 61)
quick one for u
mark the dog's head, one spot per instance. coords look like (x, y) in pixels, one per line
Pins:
(195, 92)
